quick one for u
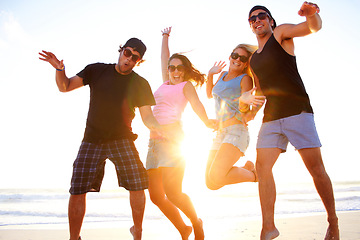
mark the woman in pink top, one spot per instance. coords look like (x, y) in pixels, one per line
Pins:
(164, 162)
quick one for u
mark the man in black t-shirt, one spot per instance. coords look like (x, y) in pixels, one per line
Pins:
(115, 91)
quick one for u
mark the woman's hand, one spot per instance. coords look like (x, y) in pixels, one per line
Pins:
(212, 123)
(166, 31)
(250, 99)
(217, 68)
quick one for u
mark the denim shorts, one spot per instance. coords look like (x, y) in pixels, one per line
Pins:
(164, 153)
(299, 130)
(237, 135)
(88, 168)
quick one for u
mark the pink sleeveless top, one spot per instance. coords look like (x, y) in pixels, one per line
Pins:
(170, 103)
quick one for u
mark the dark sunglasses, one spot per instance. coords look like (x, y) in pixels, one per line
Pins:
(261, 16)
(235, 56)
(180, 68)
(127, 53)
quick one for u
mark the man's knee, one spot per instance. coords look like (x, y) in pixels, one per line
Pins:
(137, 197)
(318, 171)
(77, 199)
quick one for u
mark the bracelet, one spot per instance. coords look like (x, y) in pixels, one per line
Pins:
(166, 34)
(61, 69)
(244, 109)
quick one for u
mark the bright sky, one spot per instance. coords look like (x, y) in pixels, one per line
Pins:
(41, 128)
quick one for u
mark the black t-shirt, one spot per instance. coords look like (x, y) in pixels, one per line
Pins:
(113, 98)
(280, 82)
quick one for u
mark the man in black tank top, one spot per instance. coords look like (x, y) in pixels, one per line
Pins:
(288, 115)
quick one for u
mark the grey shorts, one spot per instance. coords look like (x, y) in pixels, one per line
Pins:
(88, 168)
(299, 130)
(237, 135)
(164, 153)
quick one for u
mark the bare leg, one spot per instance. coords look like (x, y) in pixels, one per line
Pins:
(158, 197)
(222, 171)
(209, 183)
(76, 213)
(313, 161)
(172, 181)
(137, 203)
(266, 158)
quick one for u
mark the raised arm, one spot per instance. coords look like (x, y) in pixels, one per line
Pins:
(165, 53)
(312, 24)
(64, 83)
(217, 68)
(197, 106)
(311, 12)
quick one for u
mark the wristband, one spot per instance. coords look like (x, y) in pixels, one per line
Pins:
(166, 34)
(61, 69)
(244, 109)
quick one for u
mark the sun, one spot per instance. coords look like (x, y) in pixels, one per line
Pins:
(195, 149)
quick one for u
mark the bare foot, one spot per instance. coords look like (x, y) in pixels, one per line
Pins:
(198, 230)
(332, 232)
(269, 235)
(251, 167)
(186, 233)
(136, 233)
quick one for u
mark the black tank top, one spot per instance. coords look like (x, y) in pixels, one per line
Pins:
(280, 82)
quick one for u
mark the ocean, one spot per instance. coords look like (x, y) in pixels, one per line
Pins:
(44, 208)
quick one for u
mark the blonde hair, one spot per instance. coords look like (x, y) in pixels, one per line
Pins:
(250, 49)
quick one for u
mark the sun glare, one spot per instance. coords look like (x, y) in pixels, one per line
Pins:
(195, 148)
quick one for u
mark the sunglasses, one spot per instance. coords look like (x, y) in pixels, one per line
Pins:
(235, 56)
(261, 16)
(180, 68)
(127, 53)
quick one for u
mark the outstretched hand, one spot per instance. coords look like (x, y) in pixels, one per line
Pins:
(166, 31)
(217, 68)
(52, 59)
(308, 9)
(250, 99)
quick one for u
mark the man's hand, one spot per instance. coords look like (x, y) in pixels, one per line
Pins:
(52, 59)
(308, 9)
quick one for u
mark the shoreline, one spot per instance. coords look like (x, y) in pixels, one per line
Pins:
(311, 226)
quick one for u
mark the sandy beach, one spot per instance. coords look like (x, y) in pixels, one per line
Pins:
(295, 228)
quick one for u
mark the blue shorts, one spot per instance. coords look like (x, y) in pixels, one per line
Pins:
(164, 153)
(237, 135)
(88, 168)
(299, 130)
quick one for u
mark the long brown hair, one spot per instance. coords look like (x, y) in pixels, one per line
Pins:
(191, 73)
